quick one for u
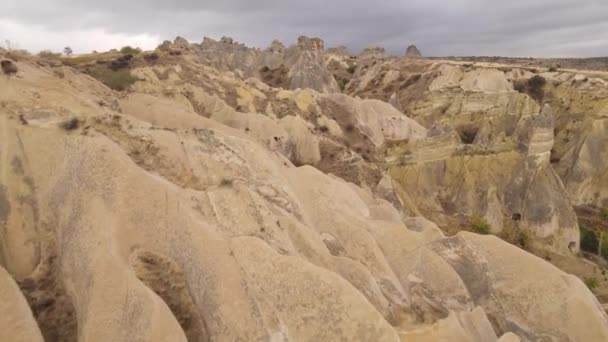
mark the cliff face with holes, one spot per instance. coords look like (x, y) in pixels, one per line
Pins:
(518, 153)
(198, 206)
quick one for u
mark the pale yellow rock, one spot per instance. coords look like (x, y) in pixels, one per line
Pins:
(380, 121)
(486, 80)
(16, 320)
(450, 76)
(306, 144)
(509, 337)
(465, 326)
(205, 231)
(332, 126)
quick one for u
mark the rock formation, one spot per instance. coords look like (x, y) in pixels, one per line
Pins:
(205, 205)
(412, 52)
(341, 51)
(488, 153)
(273, 57)
(373, 53)
(309, 71)
(228, 55)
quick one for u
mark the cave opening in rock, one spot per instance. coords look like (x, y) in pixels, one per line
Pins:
(467, 134)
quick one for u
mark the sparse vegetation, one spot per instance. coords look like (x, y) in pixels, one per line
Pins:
(8, 67)
(49, 54)
(533, 87)
(604, 213)
(90, 59)
(515, 236)
(593, 241)
(130, 50)
(115, 79)
(479, 225)
(151, 57)
(68, 51)
(342, 83)
(591, 283)
(552, 69)
(121, 62)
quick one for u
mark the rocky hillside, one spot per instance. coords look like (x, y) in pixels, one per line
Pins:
(214, 192)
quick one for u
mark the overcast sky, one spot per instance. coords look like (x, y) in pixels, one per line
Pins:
(543, 28)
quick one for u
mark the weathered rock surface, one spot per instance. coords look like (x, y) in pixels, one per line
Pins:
(412, 52)
(488, 154)
(309, 70)
(16, 320)
(274, 56)
(229, 55)
(181, 212)
(373, 53)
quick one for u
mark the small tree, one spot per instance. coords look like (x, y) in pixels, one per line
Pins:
(67, 51)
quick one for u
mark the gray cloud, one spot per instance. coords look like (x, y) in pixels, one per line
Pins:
(437, 27)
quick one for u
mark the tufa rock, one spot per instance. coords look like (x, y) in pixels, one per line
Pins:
(181, 42)
(373, 52)
(273, 57)
(413, 52)
(165, 46)
(309, 70)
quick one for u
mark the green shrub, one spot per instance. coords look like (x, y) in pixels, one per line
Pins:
(604, 213)
(533, 87)
(604, 250)
(591, 283)
(479, 225)
(589, 240)
(342, 83)
(120, 79)
(537, 82)
(130, 50)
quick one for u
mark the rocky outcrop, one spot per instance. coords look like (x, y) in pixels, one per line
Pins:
(373, 53)
(192, 199)
(181, 42)
(273, 57)
(412, 52)
(340, 51)
(580, 153)
(488, 155)
(228, 55)
(379, 121)
(309, 71)
(302, 66)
